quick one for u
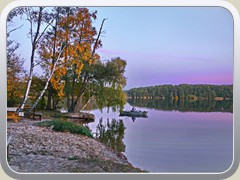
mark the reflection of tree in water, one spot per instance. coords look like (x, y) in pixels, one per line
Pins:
(184, 105)
(111, 134)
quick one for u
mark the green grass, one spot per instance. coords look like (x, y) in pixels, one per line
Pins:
(65, 126)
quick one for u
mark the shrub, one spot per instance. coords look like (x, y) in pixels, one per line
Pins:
(65, 126)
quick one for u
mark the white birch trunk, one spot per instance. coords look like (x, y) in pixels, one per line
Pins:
(27, 90)
(42, 93)
(34, 40)
(46, 85)
(87, 102)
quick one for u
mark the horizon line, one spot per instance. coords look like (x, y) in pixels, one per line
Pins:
(178, 85)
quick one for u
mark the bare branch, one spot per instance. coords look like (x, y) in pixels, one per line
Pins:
(37, 64)
(31, 30)
(8, 33)
(44, 31)
(99, 33)
(59, 55)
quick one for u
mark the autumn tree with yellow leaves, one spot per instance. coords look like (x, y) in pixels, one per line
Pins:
(74, 28)
(67, 47)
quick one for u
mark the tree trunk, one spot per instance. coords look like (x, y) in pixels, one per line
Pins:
(67, 93)
(27, 90)
(49, 99)
(55, 103)
(46, 85)
(75, 106)
(72, 90)
(34, 43)
(87, 102)
(50, 103)
(41, 94)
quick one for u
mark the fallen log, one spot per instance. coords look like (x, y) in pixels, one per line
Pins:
(81, 115)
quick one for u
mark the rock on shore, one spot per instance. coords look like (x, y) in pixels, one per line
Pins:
(40, 149)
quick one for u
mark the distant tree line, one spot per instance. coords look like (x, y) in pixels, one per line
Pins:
(184, 105)
(182, 91)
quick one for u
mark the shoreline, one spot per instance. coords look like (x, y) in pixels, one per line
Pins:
(40, 149)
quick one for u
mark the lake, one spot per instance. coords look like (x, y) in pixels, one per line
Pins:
(172, 139)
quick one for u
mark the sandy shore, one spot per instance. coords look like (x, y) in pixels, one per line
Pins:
(40, 149)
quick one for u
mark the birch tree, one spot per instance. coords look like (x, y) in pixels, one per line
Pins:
(53, 68)
(68, 51)
(36, 18)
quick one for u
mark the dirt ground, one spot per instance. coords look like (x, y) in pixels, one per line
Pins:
(40, 149)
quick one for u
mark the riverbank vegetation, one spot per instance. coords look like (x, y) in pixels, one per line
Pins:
(64, 126)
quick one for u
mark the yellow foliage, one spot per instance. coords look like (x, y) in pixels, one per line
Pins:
(78, 33)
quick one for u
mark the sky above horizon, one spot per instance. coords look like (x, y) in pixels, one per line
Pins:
(164, 45)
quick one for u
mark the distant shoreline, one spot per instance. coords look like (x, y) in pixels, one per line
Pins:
(182, 91)
(148, 86)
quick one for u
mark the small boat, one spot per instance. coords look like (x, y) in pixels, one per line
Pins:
(134, 113)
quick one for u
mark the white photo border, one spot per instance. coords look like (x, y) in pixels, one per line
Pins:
(122, 3)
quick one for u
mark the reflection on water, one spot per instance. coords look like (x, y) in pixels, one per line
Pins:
(184, 105)
(111, 134)
(134, 118)
(176, 136)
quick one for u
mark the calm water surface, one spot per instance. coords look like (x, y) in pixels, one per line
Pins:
(174, 141)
